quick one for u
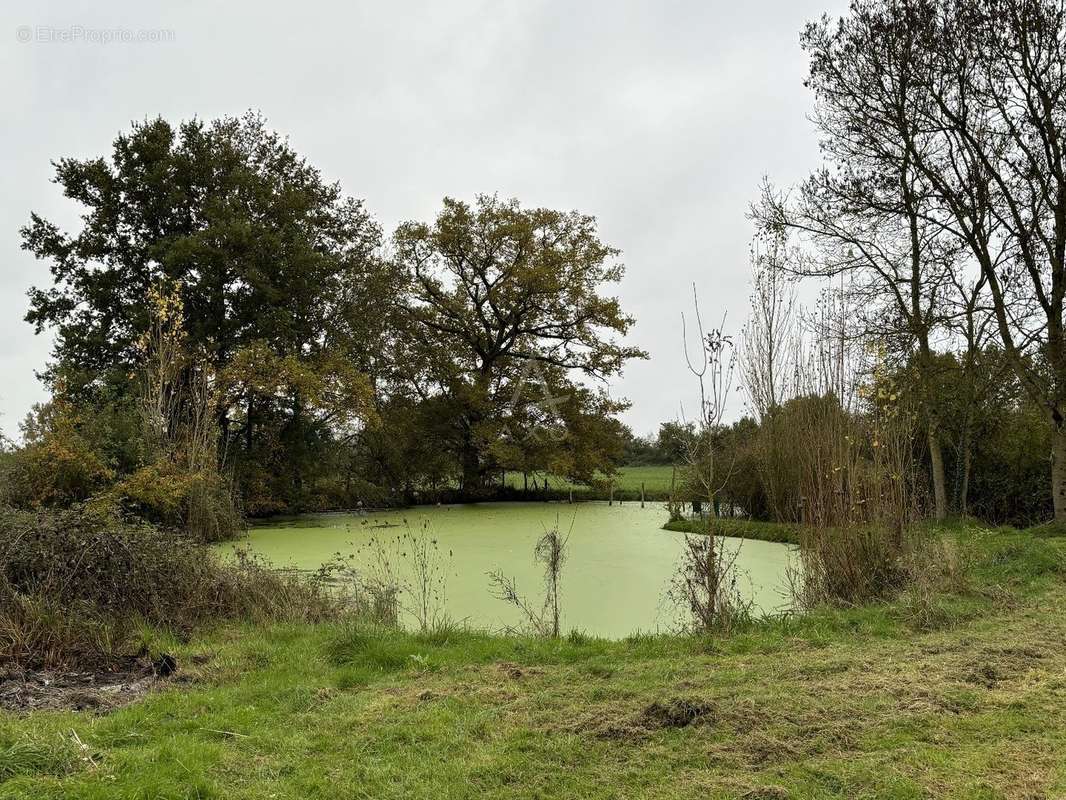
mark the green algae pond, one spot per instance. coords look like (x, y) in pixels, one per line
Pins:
(618, 570)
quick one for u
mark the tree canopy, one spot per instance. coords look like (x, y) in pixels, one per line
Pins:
(273, 265)
(338, 370)
(504, 306)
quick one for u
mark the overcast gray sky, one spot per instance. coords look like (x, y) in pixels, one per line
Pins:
(657, 118)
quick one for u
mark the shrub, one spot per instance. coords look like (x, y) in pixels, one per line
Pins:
(856, 565)
(76, 584)
(705, 585)
(200, 502)
(849, 566)
(58, 464)
(550, 552)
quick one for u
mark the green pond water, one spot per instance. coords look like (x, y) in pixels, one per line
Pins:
(618, 569)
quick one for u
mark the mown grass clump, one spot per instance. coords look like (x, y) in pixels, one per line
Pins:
(77, 586)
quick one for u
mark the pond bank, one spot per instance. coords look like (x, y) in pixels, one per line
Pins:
(732, 527)
(841, 703)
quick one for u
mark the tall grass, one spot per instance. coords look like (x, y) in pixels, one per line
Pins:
(407, 573)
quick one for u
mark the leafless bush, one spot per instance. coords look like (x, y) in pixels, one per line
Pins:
(851, 566)
(847, 566)
(550, 551)
(705, 586)
(409, 571)
(75, 585)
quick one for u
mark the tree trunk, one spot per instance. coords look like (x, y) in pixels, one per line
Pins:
(473, 470)
(248, 425)
(936, 460)
(472, 475)
(967, 465)
(1058, 471)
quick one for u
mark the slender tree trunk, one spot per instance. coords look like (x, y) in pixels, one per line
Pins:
(967, 462)
(920, 322)
(248, 425)
(297, 422)
(932, 425)
(1058, 471)
(936, 461)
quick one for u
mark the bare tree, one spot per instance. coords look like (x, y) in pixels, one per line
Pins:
(867, 218)
(713, 367)
(767, 349)
(971, 325)
(984, 84)
(705, 581)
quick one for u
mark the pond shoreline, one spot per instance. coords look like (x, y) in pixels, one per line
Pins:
(554, 496)
(618, 571)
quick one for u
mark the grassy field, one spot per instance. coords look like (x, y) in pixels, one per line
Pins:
(857, 703)
(655, 479)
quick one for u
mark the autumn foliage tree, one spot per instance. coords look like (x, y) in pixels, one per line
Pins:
(338, 373)
(505, 309)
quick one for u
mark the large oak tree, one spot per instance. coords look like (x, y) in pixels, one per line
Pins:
(506, 308)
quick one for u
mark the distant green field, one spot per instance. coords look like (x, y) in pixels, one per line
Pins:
(655, 479)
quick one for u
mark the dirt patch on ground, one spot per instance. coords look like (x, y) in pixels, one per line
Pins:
(515, 671)
(766, 793)
(996, 665)
(606, 723)
(676, 713)
(98, 690)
